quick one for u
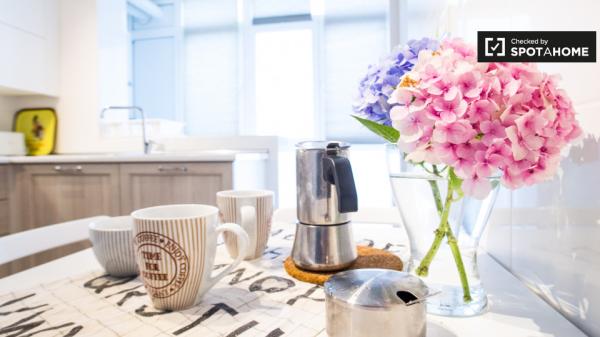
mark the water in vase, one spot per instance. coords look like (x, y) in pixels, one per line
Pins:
(467, 219)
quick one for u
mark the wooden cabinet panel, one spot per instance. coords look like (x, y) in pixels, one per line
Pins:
(3, 182)
(44, 194)
(144, 185)
(48, 194)
(41, 195)
(4, 208)
(4, 228)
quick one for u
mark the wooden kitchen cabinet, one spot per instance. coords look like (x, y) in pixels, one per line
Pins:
(151, 184)
(54, 193)
(45, 194)
(4, 209)
(4, 219)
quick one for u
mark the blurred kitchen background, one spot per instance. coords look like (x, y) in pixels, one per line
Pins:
(256, 76)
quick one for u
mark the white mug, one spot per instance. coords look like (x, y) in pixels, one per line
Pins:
(253, 210)
(175, 247)
(112, 242)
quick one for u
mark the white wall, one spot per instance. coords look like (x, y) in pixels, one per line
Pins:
(89, 65)
(78, 86)
(9, 105)
(113, 49)
(6, 113)
(76, 43)
(547, 234)
(29, 57)
(93, 73)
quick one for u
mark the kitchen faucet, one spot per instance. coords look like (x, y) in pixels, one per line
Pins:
(147, 143)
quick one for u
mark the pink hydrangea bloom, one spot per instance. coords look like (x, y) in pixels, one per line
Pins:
(483, 119)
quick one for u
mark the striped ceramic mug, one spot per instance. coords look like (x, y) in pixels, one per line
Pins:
(112, 243)
(253, 210)
(175, 247)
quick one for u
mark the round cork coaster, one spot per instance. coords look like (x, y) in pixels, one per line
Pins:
(368, 257)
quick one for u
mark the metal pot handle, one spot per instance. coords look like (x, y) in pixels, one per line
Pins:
(338, 171)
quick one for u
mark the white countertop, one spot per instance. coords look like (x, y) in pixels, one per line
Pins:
(200, 156)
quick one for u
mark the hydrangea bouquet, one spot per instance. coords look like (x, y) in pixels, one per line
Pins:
(466, 121)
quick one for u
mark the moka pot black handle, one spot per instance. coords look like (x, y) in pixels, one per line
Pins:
(338, 171)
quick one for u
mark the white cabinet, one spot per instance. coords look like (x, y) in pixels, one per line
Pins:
(27, 15)
(29, 43)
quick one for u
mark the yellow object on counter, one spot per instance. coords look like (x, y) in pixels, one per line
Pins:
(39, 127)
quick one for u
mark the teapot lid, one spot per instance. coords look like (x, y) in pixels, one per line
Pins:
(376, 288)
(321, 145)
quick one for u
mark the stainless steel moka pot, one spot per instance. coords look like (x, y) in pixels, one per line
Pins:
(326, 195)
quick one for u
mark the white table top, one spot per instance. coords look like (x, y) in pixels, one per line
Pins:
(513, 310)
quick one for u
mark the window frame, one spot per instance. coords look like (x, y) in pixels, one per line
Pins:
(247, 111)
(248, 115)
(247, 123)
(176, 33)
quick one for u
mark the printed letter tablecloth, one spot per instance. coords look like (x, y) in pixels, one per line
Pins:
(256, 299)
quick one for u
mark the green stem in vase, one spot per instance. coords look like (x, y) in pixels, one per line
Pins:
(444, 230)
(436, 191)
(440, 233)
(453, 243)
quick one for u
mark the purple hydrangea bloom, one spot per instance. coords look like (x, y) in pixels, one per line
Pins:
(382, 78)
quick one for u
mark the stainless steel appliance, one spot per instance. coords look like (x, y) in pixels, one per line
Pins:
(326, 195)
(375, 302)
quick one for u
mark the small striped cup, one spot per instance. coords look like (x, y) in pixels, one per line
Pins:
(175, 246)
(253, 210)
(112, 242)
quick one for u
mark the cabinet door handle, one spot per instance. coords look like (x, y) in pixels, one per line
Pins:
(172, 169)
(68, 169)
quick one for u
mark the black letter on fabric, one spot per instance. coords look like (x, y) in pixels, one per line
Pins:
(216, 307)
(258, 284)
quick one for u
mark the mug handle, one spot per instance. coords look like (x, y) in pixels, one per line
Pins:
(248, 223)
(242, 239)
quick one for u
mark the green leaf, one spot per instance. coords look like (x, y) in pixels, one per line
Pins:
(386, 132)
(455, 182)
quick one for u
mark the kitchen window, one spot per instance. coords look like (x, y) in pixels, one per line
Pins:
(270, 67)
(260, 67)
(284, 86)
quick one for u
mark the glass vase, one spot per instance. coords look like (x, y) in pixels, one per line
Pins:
(414, 188)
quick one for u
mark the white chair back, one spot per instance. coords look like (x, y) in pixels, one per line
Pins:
(29, 242)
